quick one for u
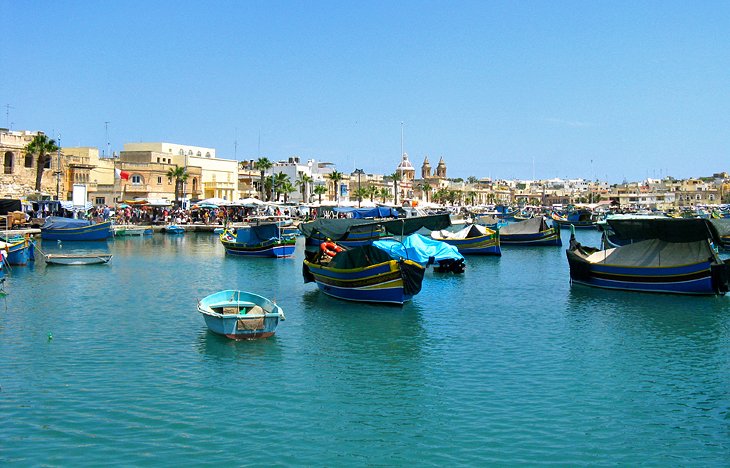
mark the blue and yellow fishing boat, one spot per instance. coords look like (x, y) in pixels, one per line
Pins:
(18, 250)
(262, 240)
(668, 256)
(366, 274)
(471, 240)
(533, 231)
(580, 219)
(68, 229)
(240, 315)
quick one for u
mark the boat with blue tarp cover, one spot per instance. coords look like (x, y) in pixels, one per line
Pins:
(174, 229)
(666, 256)
(532, 231)
(69, 229)
(473, 239)
(240, 315)
(366, 273)
(258, 240)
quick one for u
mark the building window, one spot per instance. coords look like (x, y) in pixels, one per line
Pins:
(8, 163)
(159, 179)
(199, 154)
(190, 152)
(158, 159)
(28, 160)
(181, 152)
(100, 201)
(136, 179)
(207, 155)
(195, 184)
(47, 165)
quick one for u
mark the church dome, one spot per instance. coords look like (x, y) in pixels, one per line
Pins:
(405, 164)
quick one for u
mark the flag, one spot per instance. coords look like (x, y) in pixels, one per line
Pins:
(121, 174)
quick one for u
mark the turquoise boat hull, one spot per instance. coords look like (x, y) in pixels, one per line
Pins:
(240, 315)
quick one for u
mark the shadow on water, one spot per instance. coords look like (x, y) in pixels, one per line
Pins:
(220, 347)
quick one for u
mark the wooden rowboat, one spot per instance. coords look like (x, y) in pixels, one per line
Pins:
(77, 259)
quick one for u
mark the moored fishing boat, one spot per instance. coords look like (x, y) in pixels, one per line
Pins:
(68, 229)
(675, 256)
(262, 240)
(533, 231)
(580, 219)
(18, 250)
(474, 239)
(366, 273)
(240, 315)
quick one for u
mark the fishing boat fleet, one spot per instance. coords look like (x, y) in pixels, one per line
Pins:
(384, 260)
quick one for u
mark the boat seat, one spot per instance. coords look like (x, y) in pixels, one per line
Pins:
(230, 310)
(255, 310)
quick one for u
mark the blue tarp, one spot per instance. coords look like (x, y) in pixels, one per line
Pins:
(419, 249)
(55, 222)
(377, 212)
(257, 234)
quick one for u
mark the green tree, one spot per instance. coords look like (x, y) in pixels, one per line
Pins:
(304, 180)
(426, 189)
(41, 146)
(373, 192)
(384, 194)
(472, 180)
(320, 190)
(395, 177)
(180, 174)
(361, 193)
(336, 177)
(278, 183)
(263, 165)
(287, 188)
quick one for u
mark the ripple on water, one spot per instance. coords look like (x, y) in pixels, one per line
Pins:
(507, 364)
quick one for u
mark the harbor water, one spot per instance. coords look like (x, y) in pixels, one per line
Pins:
(506, 364)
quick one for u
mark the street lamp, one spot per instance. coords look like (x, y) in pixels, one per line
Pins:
(359, 173)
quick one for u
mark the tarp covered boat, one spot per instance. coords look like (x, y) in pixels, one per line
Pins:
(240, 315)
(473, 239)
(667, 256)
(69, 229)
(366, 273)
(533, 231)
(261, 240)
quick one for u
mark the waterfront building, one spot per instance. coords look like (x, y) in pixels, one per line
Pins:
(18, 174)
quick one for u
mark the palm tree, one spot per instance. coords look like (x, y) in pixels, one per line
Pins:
(472, 180)
(384, 194)
(426, 189)
(286, 188)
(41, 146)
(373, 191)
(395, 177)
(278, 182)
(180, 174)
(471, 195)
(361, 193)
(320, 190)
(336, 177)
(304, 181)
(263, 165)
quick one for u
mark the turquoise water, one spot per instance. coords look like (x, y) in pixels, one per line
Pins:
(507, 364)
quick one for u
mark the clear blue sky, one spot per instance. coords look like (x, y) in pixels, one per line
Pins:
(584, 89)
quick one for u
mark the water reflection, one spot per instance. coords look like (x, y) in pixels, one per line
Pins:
(219, 347)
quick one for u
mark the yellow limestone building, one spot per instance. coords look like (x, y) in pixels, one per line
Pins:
(218, 177)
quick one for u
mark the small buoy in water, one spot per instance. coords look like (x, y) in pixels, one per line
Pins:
(50, 336)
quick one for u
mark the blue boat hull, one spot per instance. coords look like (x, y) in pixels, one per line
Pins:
(232, 314)
(20, 253)
(697, 279)
(282, 249)
(92, 232)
